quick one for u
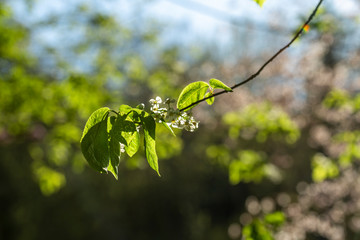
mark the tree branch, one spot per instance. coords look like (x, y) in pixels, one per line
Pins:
(253, 76)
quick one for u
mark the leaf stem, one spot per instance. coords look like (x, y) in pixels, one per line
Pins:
(114, 112)
(253, 76)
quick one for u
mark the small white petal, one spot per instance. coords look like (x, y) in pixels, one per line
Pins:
(158, 99)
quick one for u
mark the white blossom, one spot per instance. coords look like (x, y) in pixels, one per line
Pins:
(157, 101)
(173, 117)
(122, 148)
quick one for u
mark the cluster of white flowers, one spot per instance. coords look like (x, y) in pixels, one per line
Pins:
(172, 117)
(122, 148)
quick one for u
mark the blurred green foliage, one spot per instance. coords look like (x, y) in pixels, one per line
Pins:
(275, 219)
(323, 168)
(338, 98)
(261, 121)
(48, 112)
(351, 150)
(251, 166)
(324, 22)
(262, 229)
(257, 231)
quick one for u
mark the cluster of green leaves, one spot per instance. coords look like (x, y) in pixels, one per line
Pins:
(247, 166)
(104, 136)
(251, 166)
(262, 229)
(45, 110)
(351, 150)
(50, 180)
(259, 122)
(197, 91)
(31, 102)
(323, 168)
(262, 121)
(338, 98)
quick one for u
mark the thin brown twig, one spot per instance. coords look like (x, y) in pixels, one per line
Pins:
(253, 76)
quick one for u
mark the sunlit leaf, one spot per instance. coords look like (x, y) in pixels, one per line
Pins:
(133, 144)
(94, 118)
(260, 2)
(191, 93)
(114, 149)
(125, 131)
(101, 147)
(166, 125)
(124, 109)
(94, 142)
(209, 101)
(217, 84)
(149, 141)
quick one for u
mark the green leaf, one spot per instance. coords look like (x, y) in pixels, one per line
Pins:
(168, 127)
(191, 93)
(217, 84)
(133, 140)
(149, 141)
(114, 149)
(126, 133)
(101, 147)
(260, 2)
(125, 109)
(95, 118)
(135, 114)
(209, 101)
(94, 141)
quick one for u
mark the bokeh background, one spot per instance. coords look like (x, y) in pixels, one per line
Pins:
(275, 159)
